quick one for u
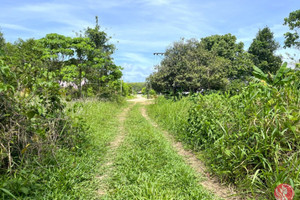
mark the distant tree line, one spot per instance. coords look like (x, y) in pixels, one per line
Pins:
(219, 62)
(137, 86)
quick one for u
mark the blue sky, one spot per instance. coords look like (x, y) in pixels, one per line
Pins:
(141, 27)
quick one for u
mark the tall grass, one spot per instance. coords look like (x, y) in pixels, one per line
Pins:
(171, 114)
(67, 173)
(251, 139)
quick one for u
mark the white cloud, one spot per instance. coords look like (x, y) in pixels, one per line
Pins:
(135, 73)
(142, 27)
(15, 27)
(135, 58)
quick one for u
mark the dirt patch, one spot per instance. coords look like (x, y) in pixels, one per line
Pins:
(211, 183)
(109, 160)
(120, 137)
(140, 99)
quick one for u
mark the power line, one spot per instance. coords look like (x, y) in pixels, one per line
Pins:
(158, 54)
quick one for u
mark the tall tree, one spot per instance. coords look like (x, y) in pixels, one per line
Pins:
(212, 63)
(82, 48)
(2, 43)
(263, 50)
(103, 70)
(99, 38)
(293, 21)
(226, 46)
(223, 45)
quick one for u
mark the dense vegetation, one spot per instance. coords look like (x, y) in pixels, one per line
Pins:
(209, 64)
(247, 130)
(39, 134)
(214, 63)
(245, 122)
(250, 139)
(137, 87)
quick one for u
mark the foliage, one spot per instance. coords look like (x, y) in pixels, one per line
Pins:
(126, 89)
(152, 92)
(2, 43)
(37, 130)
(82, 65)
(223, 45)
(250, 139)
(67, 173)
(293, 21)
(33, 119)
(210, 64)
(137, 87)
(263, 48)
(144, 90)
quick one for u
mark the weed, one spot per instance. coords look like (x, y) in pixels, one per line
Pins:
(146, 166)
(250, 139)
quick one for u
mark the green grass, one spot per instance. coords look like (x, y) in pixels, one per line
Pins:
(171, 115)
(250, 139)
(147, 167)
(71, 175)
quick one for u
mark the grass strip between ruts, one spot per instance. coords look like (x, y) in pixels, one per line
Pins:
(147, 167)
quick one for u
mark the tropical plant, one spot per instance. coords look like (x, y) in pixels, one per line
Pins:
(250, 139)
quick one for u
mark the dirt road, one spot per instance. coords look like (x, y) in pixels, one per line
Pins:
(209, 183)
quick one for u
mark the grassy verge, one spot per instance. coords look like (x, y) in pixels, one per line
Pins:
(171, 115)
(147, 167)
(250, 139)
(70, 174)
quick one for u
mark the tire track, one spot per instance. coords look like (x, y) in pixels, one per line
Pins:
(211, 183)
(110, 155)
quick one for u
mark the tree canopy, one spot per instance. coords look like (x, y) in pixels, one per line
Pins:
(211, 63)
(263, 50)
(293, 22)
(82, 65)
(2, 43)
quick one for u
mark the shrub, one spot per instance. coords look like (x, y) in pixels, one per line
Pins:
(250, 139)
(33, 120)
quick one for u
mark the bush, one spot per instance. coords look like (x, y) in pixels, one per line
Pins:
(250, 139)
(34, 127)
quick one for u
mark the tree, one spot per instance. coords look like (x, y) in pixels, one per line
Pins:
(263, 48)
(175, 72)
(2, 43)
(102, 69)
(56, 50)
(226, 46)
(210, 64)
(223, 45)
(293, 21)
(100, 39)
